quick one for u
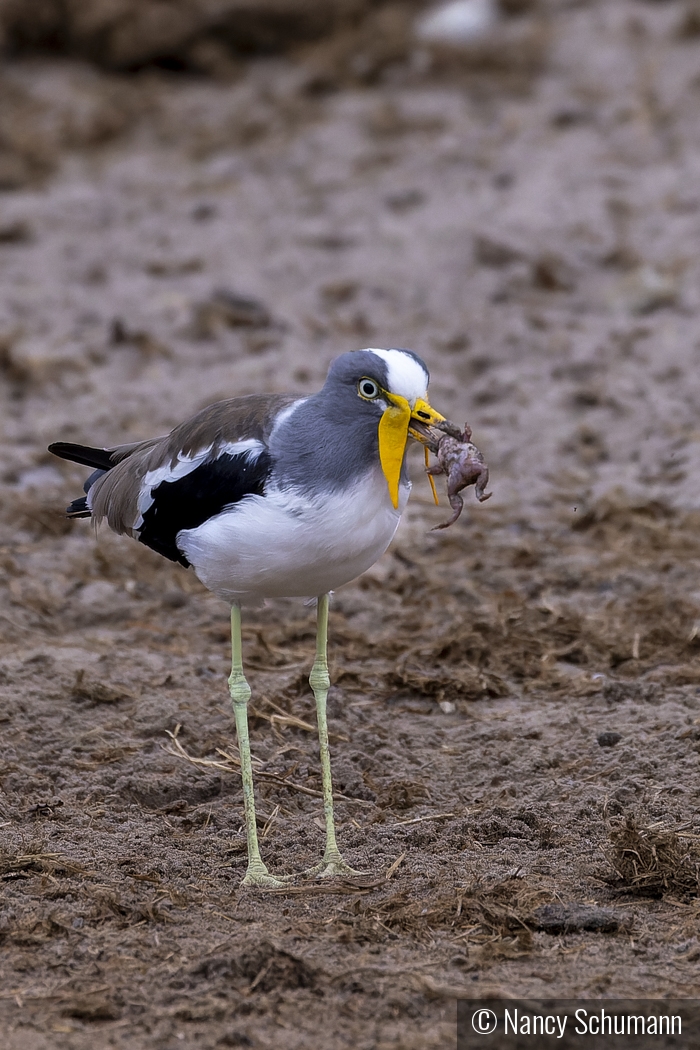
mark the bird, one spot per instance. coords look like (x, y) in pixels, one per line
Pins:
(270, 496)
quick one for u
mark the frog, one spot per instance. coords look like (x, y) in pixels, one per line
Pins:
(462, 463)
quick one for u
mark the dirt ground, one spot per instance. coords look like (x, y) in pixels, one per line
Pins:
(515, 713)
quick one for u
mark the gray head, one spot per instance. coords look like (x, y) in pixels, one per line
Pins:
(332, 437)
(399, 372)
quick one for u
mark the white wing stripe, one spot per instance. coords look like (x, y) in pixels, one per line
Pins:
(185, 465)
(284, 415)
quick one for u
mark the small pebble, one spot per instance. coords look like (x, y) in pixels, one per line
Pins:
(609, 739)
(457, 22)
(646, 289)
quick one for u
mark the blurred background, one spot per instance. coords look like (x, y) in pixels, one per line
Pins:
(204, 198)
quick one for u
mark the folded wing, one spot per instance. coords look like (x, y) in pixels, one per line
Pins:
(152, 490)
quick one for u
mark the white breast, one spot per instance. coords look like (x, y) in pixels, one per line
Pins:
(284, 544)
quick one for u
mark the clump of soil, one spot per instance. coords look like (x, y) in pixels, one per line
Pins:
(131, 33)
(496, 913)
(340, 41)
(653, 860)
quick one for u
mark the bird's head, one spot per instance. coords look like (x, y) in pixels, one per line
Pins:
(390, 386)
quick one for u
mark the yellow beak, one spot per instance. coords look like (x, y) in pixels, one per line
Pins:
(394, 429)
(423, 413)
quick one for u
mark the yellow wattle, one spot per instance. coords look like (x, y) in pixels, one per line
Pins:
(393, 435)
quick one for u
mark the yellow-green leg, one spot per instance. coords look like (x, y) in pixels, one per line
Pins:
(333, 862)
(256, 874)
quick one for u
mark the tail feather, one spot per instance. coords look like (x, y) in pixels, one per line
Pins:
(78, 508)
(95, 476)
(98, 458)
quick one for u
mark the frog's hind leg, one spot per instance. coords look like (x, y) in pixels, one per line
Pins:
(456, 502)
(480, 488)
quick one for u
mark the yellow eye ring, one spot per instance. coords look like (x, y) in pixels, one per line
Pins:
(368, 389)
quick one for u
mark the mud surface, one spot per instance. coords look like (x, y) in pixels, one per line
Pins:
(515, 714)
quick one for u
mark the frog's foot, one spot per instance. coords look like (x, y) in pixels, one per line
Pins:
(456, 502)
(480, 488)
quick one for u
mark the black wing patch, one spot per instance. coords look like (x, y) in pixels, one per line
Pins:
(200, 495)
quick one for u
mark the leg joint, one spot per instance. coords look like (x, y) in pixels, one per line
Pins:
(319, 678)
(238, 688)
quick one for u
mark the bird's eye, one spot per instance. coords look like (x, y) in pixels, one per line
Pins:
(368, 389)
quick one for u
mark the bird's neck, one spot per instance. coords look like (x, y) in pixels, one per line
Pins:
(320, 447)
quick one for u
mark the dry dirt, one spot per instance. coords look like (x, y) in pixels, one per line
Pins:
(515, 714)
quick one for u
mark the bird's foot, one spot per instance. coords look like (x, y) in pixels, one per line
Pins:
(258, 875)
(332, 866)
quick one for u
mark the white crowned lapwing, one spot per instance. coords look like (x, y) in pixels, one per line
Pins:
(270, 496)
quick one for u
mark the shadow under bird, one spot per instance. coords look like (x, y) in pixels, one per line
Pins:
(270, 496)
